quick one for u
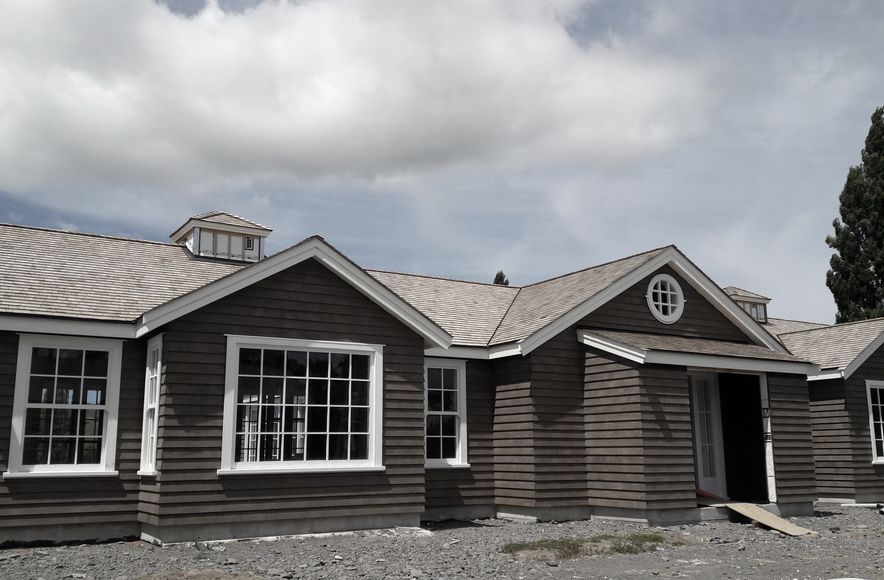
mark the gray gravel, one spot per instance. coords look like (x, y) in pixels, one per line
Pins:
(850, 543)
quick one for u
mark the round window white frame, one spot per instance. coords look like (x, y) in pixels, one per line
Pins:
(679, 299)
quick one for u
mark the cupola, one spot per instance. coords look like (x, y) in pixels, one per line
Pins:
(754, 304)
(219, 234)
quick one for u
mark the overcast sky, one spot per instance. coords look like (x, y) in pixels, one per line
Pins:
(452, 138)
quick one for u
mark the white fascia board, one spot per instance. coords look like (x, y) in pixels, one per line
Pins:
(67, 326)
(475, 352)
(597, 300)
(613, 347)
(247, 230)
(258, 271)
(863, 356)
(748, 299)
(826, 376)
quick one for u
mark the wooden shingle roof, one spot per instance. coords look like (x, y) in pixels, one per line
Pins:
(834, 347)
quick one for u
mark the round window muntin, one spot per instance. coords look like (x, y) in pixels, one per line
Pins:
(665, 298)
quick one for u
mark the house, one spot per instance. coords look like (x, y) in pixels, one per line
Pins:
(201, 389)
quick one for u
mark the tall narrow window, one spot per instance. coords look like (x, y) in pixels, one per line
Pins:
(152, 375)
(65, 407)
(445, 441)
(875, 394)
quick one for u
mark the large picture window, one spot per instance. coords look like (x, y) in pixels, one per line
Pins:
(875, 393)
(65, 407)
(301, 405)
(445, 442)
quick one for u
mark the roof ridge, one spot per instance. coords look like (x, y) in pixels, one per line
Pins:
(608, 263)
(214, 212)
(838, 325)
(442, 278)
(88, 234)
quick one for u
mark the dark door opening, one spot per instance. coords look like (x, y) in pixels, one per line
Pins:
(743, 437)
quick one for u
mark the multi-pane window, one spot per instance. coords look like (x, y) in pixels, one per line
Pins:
(297, 403)
(151, 404)
(755, 310)
(876, 418)
(665, 298)
(65, 404)
(445, 438)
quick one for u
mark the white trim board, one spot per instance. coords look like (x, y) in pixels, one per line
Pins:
(66, 326)
(310, 248)
(704, 361)
(475, 352)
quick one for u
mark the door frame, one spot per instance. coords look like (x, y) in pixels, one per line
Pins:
(717, 483)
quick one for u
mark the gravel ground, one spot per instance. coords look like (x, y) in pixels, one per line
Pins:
(850, 543)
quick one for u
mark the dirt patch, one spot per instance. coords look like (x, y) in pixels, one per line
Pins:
(602, 544)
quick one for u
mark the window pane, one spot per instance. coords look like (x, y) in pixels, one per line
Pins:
(38, 421)
(880, 446)
(873, 391)
(449, 378)
(89, 451)
(247, 418)
(36, 451)
(337, 446)
(449, 399)
(294, 419)
(449, 447)
(318, 364)
(70, 362)
(317, 392)
(340, 366)
(248, 390)
(271, 391)
(93, 391)
(296, 391)
(360, 363)
(359, 420)
(271, 419)
(273, 361)
(67, 391)
(246, 448)
(296, 363)
(96, 363)
(316, 446)
(91, 423)
(449, 426)
(434, 378)
(249, 361)
(358, 446)
(434, 425)
(876, 412)
(434, 400)
(43, 361)
(41, 389)
(434, 447)
(64, 422)
(339, 393)
(338, 419)
(270, 448)
(293, 447)
(359, 393)
(63, 449)
(317, 419)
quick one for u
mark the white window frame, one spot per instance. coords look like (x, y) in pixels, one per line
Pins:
(26, 345)
(875, 429)
(460, 366)
(150, 428)
(674, 315)
(374, 462)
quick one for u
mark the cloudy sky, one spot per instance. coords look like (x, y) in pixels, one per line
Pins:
(452, 138)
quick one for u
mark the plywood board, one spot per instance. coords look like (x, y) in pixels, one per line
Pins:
(767, 519)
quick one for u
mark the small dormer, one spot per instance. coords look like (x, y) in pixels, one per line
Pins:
(218, 234)
(754, 304)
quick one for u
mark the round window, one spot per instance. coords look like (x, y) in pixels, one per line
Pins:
(665, 298)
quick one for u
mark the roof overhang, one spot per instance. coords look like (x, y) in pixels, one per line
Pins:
(694, 360)
(845, 372)
(67, 326)
(315, 248)
(686, 269)
(475, 352)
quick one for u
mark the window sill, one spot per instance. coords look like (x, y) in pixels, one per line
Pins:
(298, 471)
(146, 473)
(446, 465)
(57, 474)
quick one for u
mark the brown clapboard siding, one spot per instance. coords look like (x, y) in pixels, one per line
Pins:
(513, 433)
(629, 311)
(868, 477)
(306, 301)
(458, 487)
(56, 502)
(792, 438)
(832, 440)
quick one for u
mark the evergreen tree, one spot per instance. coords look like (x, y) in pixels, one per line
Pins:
(501, 279)
(856, 278)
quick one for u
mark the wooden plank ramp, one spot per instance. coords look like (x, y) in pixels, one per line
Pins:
(762, 516)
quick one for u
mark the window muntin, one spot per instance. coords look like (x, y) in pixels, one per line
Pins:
(293, 404)
(875, 394)
(152, 375)
(665, 298)
(445, 438)
(65, 405)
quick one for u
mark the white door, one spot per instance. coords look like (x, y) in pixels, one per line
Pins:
(707, 434)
